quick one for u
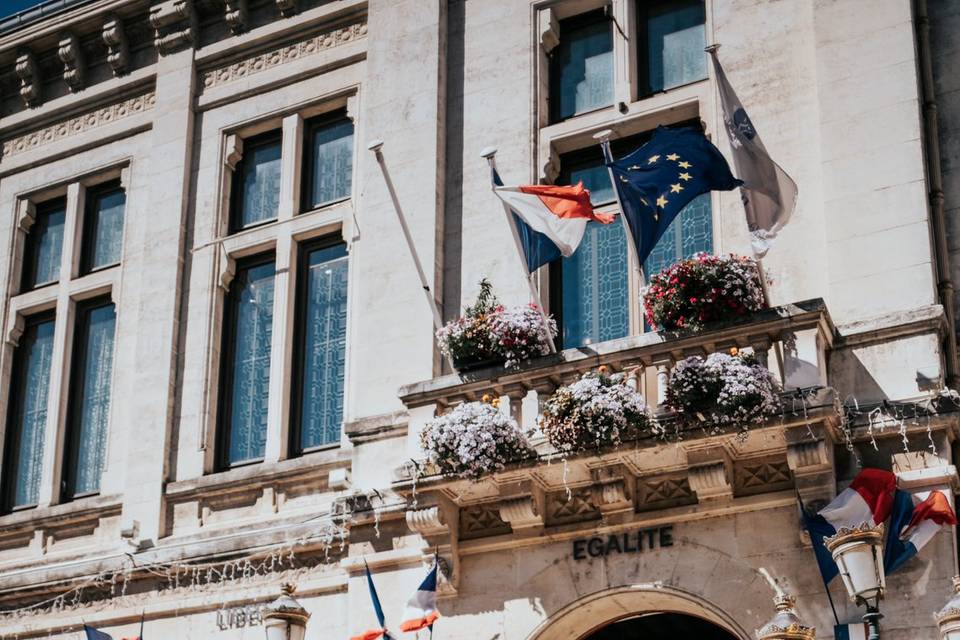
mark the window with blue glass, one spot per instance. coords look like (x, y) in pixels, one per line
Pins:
(88, 412)
(590, 289)
(27, 422)
(255, 197)
(103, 227)
(44, 245)
(321, 346)
(245, 374)
(672, 37)
(581, 66)
(328, 160)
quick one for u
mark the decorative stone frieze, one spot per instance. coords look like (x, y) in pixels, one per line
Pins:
(662, 492)
(236, 15)
(175, 23)
(574, 505)
(71, 55)
(29, 74)
(118, 48)
(520, 513)
(282, 55)
(481, 520)
(762, 476)
(79, 124)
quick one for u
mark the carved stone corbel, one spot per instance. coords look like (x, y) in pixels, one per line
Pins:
(175, 23)
(810, 458)
(710, 480)
(233, 151)
(549, 29)
(551, 167)
(236, 15)
(520, 513)
(227, 271)
(287, 7)
(71, 55)
(17, 325)
(427, 522)
(118, 49)
(353, 107)
(26, 215)
(29, 74)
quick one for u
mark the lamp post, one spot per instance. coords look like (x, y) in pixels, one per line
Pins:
(948, 618)
(785, 624)
(858, 553)
(285, 618)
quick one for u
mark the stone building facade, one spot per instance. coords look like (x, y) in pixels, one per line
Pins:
(216, 357)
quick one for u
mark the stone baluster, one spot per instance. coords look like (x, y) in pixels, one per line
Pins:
(663, 379)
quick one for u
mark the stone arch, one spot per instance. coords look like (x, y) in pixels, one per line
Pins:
(599, 609)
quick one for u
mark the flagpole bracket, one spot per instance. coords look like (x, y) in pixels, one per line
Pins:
(488, 152)
(603, 136)
(712, 48)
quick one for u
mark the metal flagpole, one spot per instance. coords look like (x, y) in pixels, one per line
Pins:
(490, 154)
(376, 146)
(603, 138)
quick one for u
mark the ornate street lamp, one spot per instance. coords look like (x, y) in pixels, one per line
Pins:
(858, 553)
(785, 624)
(285, 618)
(948, 618)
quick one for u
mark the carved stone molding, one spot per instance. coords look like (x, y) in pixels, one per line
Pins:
(762, 476)
(549, 29)
(282, 55)
(26, 214)
(481, 520)
(175, 23)
(662, 492)
(286, 7)
(118, 48)
(79, 124)
(710, 480)
(71, 55)
(520, 513)
(29, 74)
(233, 151)
(227, 271)
(575, 506)
(427, 522)
(236, 14)
(17, 325)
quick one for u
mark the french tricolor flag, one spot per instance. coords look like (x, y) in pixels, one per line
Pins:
(558, 214)
(915, 520)
(869, 498)
(421, 611)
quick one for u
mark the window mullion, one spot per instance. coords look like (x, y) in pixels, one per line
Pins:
(53, 454)
(290, 163)
(624, 51)
(281, 352)
(72, 233)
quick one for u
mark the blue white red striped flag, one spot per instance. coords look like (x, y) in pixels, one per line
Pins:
(915, 520)
(852, 631)
(373, 634)
(558, 214)
(421, 609)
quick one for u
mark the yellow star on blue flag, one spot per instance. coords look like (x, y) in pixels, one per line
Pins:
(655, 182)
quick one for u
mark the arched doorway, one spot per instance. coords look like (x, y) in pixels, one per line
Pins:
(640, 611)
(661, 626)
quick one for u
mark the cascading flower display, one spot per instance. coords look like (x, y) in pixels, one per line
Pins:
(487, 332)
(698, 291)
(723, 390)
(473, 440)
(519, 334)
(595, 411)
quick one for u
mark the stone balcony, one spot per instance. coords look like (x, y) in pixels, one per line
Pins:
(693, 472)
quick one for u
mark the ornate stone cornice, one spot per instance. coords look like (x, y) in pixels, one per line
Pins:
(282, 55)
(175, 23)
(236, 15)
(78, 124)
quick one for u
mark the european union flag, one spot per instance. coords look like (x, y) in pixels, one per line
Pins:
(655, 182)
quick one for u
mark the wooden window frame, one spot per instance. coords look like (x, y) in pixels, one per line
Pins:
(310, 128)
(87, 234)
(273, 136)
(14, 407)
(227, 354)
(75, 388)
(299, 343)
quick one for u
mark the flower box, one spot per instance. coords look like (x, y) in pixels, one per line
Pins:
(596, 411)
(703, 290)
